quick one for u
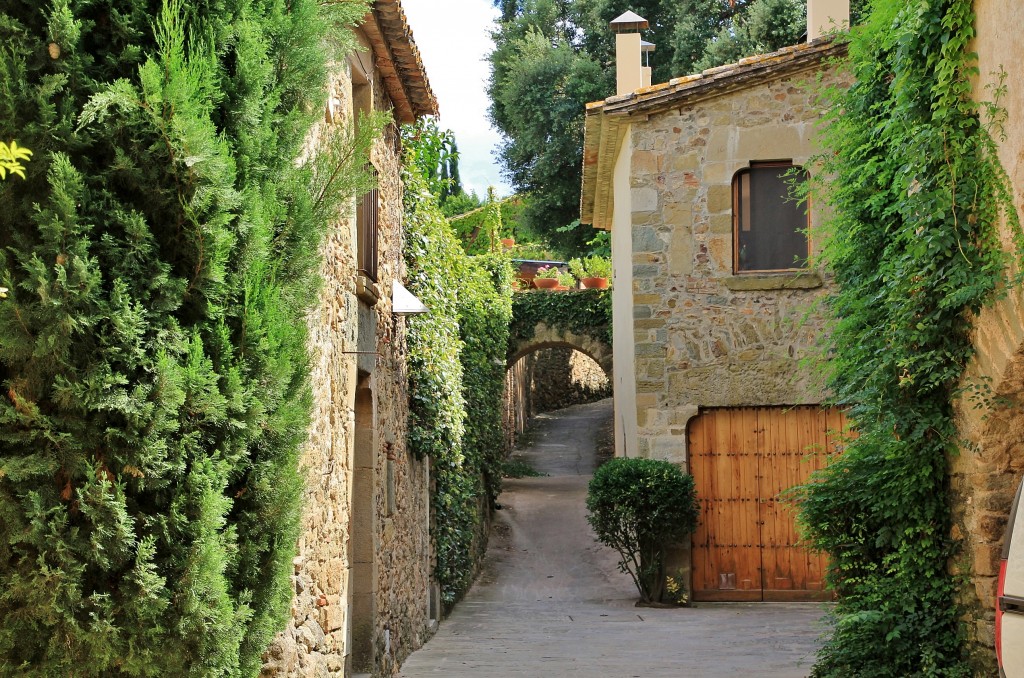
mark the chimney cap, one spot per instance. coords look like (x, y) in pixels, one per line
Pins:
(646, 46)
(629, 22)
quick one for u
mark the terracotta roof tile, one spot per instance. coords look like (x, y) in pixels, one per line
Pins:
(398, 60)
(722, 79)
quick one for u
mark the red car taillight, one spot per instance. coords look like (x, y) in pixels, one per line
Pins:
(999, 612)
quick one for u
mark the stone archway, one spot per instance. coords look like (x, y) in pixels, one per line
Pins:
(521, 400)
(552, 337)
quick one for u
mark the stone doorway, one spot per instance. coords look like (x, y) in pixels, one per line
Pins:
(362, 608)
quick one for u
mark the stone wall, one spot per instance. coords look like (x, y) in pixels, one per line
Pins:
(402, 545)
(550, 379)
(517, 401)
(704, 336)
(991, 462)
(362, 573)
(563, 377)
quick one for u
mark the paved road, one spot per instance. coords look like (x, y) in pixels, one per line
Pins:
(551, 603)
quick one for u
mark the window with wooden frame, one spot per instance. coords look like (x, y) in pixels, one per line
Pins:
(368, 206)
(769, 226)
(367, 221)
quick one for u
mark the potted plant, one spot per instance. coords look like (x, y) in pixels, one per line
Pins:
(546, 277)
(566, 281)
(593, 272)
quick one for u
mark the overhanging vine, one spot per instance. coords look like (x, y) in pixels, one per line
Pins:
(582, 312)
(918, 195)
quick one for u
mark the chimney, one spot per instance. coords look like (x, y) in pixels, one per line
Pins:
(824, 16)
(629, 69)
(646, 48)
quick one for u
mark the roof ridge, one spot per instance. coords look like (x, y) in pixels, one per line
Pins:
(721, 77)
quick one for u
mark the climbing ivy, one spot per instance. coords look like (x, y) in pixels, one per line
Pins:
(456, 378)
(917, 194)
(485, 311)
(583, 312)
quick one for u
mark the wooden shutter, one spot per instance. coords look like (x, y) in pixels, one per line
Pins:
(367, 224)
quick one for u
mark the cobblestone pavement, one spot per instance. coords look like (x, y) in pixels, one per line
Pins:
(551, 602)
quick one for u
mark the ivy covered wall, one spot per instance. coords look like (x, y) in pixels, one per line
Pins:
(456, 375)
(917, 195)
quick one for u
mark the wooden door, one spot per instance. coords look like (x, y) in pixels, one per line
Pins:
(746, 546)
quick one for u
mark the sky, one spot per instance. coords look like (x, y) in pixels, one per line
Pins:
(453, 37)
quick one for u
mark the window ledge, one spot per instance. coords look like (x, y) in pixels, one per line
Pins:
(367, 290)
(802, 280)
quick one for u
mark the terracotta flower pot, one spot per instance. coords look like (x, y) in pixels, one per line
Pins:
(595, 283)
(508, 243)
(545, 283)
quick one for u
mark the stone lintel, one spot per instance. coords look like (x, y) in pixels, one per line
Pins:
(801, 280)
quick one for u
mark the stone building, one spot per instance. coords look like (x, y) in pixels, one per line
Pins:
(714, 290)
(990, 465)
(362, 577)
(697, 336)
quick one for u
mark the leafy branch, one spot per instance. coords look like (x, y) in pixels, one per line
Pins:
(11, 157)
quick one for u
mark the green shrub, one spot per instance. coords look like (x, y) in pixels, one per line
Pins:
(640, 507)
(160, 258)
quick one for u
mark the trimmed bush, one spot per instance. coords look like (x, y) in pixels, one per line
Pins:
(640, 507)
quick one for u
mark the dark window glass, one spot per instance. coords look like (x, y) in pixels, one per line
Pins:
(770, 227)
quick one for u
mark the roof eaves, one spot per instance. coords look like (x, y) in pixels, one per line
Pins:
(398, 61)
(602, 141)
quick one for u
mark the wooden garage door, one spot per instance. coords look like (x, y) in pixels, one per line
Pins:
(746, 545)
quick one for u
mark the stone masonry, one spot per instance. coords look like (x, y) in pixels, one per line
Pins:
(362, 573)
(705, 337)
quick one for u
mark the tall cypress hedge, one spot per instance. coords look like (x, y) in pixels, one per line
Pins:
(160, 255)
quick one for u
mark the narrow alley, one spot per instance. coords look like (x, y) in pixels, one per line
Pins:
(551, 602)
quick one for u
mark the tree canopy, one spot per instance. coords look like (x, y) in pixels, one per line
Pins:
(552, 57)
